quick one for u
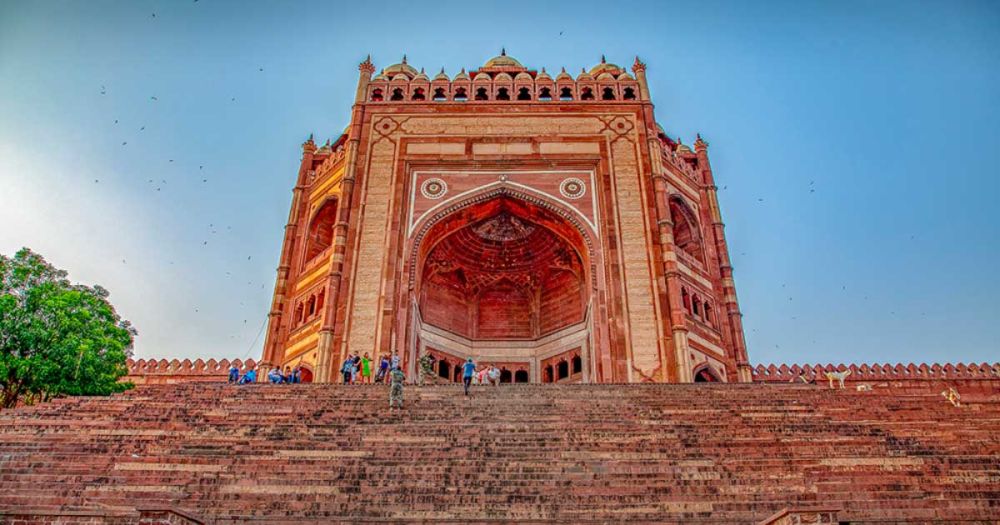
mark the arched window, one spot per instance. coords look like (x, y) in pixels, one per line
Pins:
(418, 94)
(562, 370)
(696, 307)
(629, 94)
(298, 313)
(547, 374)
(566, 94)
(481, 94)
(545, 94)
(524, 94)
(444, 369)
(608, 94)
(521, 376)
(320, 233)
(439, 94)
(685, 299)
(505, 375)
(587, 94)
(708, 313)
(503, 94)
(461, 95)
(687, 236)
(397, 94)
(319, 300)
(577, 364)
(377, 95)
(311, 306)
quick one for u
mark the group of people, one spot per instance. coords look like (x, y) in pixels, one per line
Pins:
(275, 376)
(488, 374)
(358, 369)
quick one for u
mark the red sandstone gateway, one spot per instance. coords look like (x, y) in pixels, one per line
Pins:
(547, 225)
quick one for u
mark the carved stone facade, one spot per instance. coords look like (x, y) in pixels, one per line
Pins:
(545, 225)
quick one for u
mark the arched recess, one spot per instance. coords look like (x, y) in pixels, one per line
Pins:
(502, 268)
(687, 234)
(319, 236)
(305, 373)
(447, 221)
(706, 374)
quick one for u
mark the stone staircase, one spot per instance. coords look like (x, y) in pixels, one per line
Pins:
(706, 453)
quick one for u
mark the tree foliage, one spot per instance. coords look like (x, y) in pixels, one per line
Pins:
(57, 338)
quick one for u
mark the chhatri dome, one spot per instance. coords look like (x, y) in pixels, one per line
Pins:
(401, 67)
(605, 67)
(502, 61)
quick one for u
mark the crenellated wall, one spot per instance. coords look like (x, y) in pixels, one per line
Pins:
(161, 372)
(973, 381)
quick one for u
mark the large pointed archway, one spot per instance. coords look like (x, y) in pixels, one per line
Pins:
(504, 279)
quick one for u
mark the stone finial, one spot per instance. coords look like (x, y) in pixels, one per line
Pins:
(367, 66)
(638, 66)
(309, 145)
(700, 144)
(503, 51)
(603, 60)
(404, 59)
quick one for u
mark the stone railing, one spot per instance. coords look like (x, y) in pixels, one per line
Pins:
(153, 371)
(674, 160)
(877, 372)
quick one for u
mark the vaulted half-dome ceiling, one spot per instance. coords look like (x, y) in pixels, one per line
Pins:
(503, 268)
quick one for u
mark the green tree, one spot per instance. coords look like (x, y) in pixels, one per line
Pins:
(57, 338)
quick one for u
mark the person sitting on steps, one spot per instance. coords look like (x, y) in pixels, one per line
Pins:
(249, 377)
(234, 374)
(493, 375)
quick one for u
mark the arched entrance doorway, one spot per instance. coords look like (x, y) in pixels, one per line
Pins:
(705, 374)
(502, 279)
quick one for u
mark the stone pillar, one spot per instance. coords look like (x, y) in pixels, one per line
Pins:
(743, 370)
(665, 228)
(326, 359)
(275, 340)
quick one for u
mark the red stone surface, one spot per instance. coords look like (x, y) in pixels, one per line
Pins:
(581, 158)
(706, 453)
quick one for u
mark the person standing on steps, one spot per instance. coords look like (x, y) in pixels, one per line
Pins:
(383, 369)
(396, 378)
(467, 370)
(366, 369)
(346, 369)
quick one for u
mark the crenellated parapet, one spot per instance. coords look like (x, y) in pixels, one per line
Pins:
(503, 79)
(153, 371)
(876, 372)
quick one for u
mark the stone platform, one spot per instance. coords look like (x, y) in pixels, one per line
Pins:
(697, 453)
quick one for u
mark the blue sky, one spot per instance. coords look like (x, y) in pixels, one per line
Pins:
(888, 110)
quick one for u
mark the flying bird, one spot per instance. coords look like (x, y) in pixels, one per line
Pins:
(153, 98)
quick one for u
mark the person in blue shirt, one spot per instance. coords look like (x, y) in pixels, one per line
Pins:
(249, 377)
(234, 374)
(468, 369)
